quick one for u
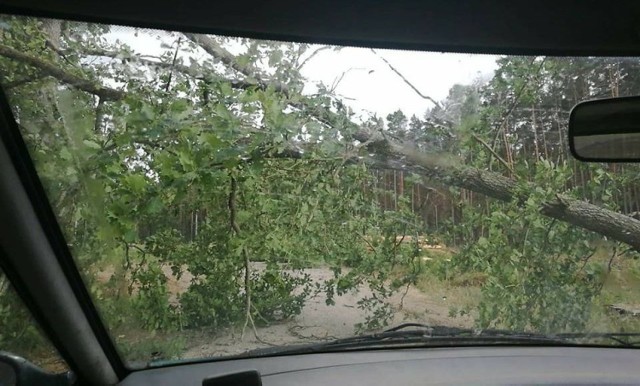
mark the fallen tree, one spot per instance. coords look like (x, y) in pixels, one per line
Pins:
(380, 151)
(444, 168)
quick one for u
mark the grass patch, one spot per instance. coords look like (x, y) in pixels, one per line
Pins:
(462, 290)
(469, 279)
(459, 292)
(143, 346)
(461, 299)
(620, 286)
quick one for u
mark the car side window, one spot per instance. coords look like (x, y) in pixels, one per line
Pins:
(20, 333)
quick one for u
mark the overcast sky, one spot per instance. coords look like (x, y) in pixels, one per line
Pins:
(383, 91)
(369, 84)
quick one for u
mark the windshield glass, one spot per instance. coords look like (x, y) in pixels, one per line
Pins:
(223, 194)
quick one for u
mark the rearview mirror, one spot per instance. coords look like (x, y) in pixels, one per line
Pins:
(606, 130)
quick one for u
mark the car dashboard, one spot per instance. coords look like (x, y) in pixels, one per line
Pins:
(445, 366)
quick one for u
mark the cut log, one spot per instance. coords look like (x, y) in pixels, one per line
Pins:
(423, 242)
(625, 309)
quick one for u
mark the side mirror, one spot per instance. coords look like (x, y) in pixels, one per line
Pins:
(606, 130)
(17, 371)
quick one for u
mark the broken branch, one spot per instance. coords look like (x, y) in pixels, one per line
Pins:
(50, 69)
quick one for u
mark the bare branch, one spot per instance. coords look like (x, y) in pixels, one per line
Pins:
(486, 145)
(337, 80)
(50, 69)
(514, 104)
(227, 58)
(173, 64)
(195, 72)
(97, 125)
(313, 54)
(406, 81)
(142, 59)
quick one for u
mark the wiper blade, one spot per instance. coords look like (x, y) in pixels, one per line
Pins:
(624, 338)
(447, 331)
(422, 335)
(404, 326)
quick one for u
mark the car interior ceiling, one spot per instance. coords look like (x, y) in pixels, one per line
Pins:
(539, 28)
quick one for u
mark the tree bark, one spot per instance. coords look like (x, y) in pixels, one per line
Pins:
(446, 169)
(63, 76)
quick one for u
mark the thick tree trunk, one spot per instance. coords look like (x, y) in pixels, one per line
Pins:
(446, 169)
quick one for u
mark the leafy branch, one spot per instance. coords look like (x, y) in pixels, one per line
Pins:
(210, 46)
(65, 77)
(388, 154)
(233, 194)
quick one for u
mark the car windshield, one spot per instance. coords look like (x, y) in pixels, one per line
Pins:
(223, 194)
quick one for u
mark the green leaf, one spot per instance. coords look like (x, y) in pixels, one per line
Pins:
(186, 160)
(155, 205)
(65, 154)
(91, 144)
(136, 182)
(130, 235)
(212, 140)
(147, 112)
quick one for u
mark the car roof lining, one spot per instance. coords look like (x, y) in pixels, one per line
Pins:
(570, 27)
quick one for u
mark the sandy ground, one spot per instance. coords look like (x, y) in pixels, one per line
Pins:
(319, 321)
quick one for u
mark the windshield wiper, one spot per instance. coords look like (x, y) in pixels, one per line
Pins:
(623, 338)
(419, 335)
(412, 335)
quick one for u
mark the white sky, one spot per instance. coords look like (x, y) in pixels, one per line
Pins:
(381, 91)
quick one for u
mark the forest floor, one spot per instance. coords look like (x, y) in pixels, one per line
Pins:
(319, 321)
(432, 301)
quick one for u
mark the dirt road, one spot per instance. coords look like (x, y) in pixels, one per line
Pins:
(318, 321)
